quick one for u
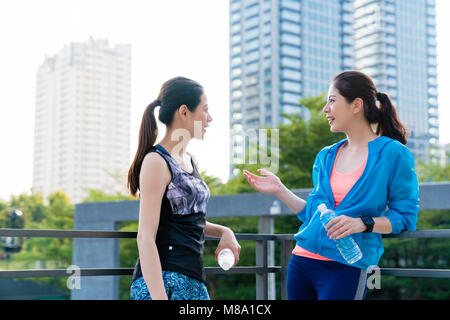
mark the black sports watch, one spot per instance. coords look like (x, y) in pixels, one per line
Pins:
(368, 221)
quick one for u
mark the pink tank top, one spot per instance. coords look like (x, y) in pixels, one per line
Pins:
(340, 185)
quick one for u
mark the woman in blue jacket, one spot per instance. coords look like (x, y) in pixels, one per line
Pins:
(368, 179)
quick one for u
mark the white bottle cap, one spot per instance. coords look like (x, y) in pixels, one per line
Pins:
(322, 207)
(226, 265)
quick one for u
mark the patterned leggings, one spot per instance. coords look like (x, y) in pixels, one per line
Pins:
(178, 287)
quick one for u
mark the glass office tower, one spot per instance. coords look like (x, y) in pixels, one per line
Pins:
(395, 43)
(282, 51)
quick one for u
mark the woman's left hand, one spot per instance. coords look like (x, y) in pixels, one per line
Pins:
(342, 226)
(228, 240)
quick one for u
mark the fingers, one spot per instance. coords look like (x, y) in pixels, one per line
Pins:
(248, 173)
(237, 252)
(340, 227)
(340, 232)
(332, 221)
(250, 180)
(265, 172)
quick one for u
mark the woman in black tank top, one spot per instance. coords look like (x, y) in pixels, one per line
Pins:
(173, 198)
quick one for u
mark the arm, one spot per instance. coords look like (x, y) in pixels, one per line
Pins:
(343, 226)
(154, 177)
(227, 239)
(403, 192)
(296, 204)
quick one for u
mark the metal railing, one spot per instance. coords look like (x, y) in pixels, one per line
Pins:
(261, 269)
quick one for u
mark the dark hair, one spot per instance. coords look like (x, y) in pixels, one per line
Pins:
(174, 93)
(355, 84)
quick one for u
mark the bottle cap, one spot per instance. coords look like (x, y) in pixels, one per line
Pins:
(322, 207)
(226, 265)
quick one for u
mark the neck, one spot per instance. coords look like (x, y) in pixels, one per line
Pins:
(359, 136)
(175, 143)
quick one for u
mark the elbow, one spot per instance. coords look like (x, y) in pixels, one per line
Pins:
(144, 238)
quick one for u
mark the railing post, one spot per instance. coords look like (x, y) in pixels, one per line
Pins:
(285, 255)
(261, 278)
(266, 226)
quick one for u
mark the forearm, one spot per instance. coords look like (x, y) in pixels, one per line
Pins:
(151, 268)
(382, 225)
(293, 202)
(214, 230)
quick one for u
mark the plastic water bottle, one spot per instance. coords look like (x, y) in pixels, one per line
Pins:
(226, 259)
(347, 246)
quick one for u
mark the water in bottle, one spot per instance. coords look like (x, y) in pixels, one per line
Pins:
(346, 246)
(226, 259)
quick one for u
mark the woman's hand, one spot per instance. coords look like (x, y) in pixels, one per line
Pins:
(228, 240)
(270, 183)
(342, 226)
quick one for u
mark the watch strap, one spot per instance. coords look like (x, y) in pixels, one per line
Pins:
(369, 222)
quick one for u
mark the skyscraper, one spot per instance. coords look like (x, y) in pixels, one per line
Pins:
(82, 119)
(285, 50)
(280, 52)
(395, 43)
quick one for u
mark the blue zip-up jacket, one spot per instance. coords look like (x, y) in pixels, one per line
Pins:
(388, 187)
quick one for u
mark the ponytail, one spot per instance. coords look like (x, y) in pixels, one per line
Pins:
(390, 124)
(147, 137)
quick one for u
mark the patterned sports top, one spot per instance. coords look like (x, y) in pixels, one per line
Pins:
(180, 236)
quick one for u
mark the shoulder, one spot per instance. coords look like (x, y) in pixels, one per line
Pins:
(155, 165)
(395, 149)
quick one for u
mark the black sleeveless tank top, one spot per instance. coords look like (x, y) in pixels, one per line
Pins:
(180, 236)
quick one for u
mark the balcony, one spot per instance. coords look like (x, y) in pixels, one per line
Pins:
(93, 258)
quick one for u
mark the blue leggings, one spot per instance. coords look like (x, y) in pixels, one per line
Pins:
(178, 287)
(312, 279)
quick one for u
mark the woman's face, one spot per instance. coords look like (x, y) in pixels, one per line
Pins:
(338, 111)
(200, 119)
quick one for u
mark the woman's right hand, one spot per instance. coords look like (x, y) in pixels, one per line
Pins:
(269, 183)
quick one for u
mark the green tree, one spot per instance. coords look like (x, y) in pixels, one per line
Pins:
(51, 252)
(433, 171)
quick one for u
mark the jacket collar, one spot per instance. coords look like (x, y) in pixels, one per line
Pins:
(375, 147)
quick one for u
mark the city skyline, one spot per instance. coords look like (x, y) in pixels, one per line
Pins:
(168, 39)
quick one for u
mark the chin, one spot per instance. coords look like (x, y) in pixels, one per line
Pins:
(334, 129)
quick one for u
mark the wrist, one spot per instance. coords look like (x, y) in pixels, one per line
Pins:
(281, 189)
(368, 222)
(225, 230)
(361, 223)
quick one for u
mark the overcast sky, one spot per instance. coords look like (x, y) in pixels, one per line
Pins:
(168, 38)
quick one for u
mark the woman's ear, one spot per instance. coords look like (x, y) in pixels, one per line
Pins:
(358, 105)
(183, 111)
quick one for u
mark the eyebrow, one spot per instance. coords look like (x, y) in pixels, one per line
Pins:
(331, 96)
